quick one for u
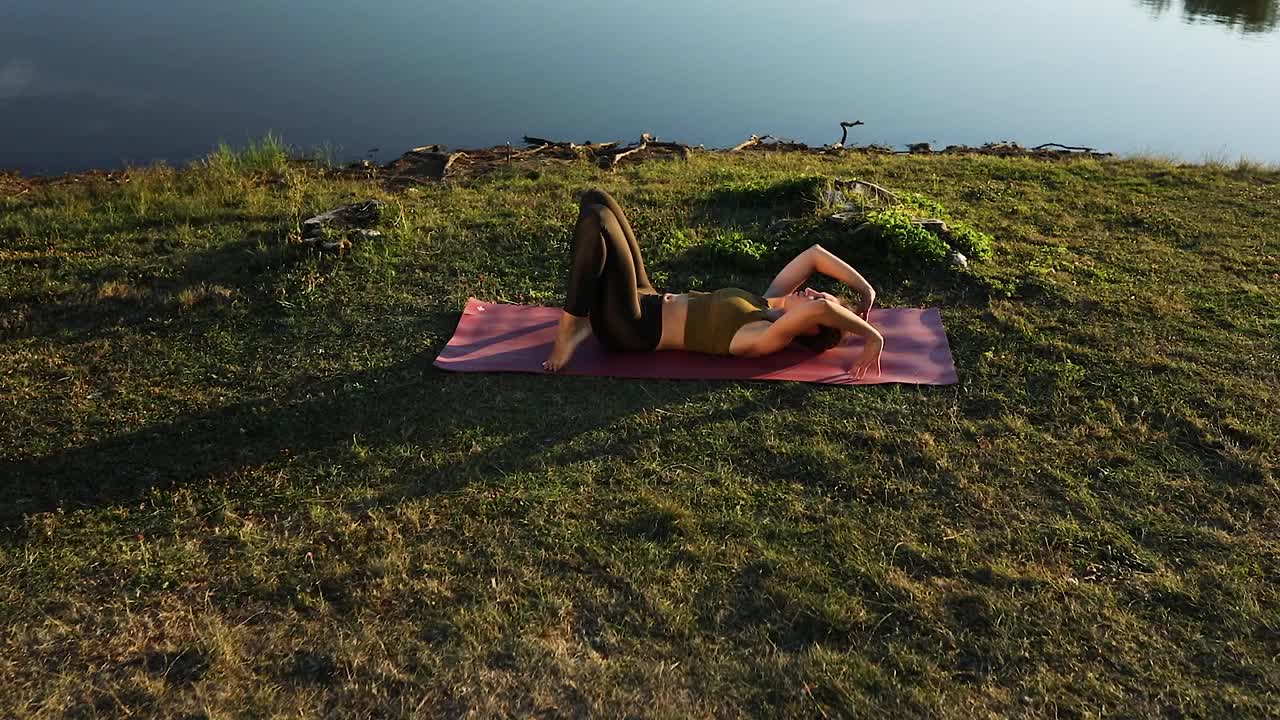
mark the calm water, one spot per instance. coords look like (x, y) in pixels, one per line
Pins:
(100, 84)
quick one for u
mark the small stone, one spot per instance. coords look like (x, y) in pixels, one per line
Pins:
(781, 224)
(356, 214)
(958, 259)
(937, 227)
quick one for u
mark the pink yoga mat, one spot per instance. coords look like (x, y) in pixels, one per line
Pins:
(494, 337)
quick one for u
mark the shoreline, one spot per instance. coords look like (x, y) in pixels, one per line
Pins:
(437, 163)
(437, 159)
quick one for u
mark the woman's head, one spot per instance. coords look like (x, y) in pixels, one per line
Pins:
(824, 339)
(819, 337)
(800, 296)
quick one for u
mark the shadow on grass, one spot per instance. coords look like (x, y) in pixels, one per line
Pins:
(240, 267)
(316, 422)
(167, 223)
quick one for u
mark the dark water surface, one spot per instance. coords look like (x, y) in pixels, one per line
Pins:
(100, 84)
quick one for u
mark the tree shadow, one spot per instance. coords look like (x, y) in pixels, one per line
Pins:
(409, 402)
(207, 218)
(237, 268)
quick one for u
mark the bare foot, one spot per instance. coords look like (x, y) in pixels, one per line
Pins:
(572, 331)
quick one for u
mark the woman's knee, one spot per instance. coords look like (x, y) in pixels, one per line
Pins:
(594, 196)
(597, 214)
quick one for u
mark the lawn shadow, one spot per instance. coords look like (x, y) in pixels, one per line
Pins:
(226, 272)
(411, 402)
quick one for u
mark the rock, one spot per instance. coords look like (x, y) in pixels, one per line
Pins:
(937, 227)
(360, 214)
(781, 224)
(334, 229)
(958, 259)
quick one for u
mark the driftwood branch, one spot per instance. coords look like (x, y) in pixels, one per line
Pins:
(612, 156)
(844, 130)
(448, 163)
(775, 144)
(750, 142)
(868, 189)
(544, 144)
(617, 157)
(434, 163)
(527, 153)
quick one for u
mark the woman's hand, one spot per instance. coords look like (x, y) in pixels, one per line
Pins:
(870, 357)
(866, 298)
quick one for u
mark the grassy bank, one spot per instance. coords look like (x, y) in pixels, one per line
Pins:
(232, 485)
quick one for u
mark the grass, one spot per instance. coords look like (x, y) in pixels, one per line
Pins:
(234, 485)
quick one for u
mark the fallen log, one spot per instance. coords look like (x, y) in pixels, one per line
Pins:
(530, 140)
(681, 148)
(1070, 148)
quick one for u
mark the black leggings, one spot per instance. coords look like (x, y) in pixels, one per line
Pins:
(607, 281)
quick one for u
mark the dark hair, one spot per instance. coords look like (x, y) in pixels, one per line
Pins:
(827, 338)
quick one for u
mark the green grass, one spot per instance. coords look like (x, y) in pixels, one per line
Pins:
(233, 485)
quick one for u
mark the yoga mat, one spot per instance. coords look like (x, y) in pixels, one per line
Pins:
(496, 337)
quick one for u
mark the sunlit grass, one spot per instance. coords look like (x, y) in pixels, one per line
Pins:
(232, 484)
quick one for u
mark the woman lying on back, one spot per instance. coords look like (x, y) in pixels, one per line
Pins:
(609, 294)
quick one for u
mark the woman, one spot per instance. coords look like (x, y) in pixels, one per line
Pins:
(609, 294)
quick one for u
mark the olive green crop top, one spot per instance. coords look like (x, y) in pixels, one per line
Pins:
(715, 317)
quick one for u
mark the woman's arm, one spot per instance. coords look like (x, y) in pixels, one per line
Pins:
(820, 311)
(838, 316)
(819, 259)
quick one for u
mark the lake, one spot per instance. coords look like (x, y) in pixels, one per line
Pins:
(97, 84)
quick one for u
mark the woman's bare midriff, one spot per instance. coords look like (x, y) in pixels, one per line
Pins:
(675, 310)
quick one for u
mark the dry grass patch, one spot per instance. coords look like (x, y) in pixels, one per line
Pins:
(204, 293)
(120, 291)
